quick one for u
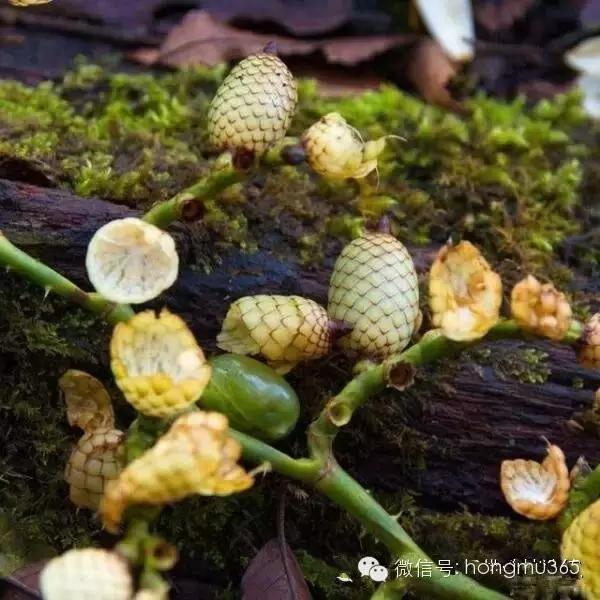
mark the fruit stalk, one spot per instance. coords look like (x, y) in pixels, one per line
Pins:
(42, 275)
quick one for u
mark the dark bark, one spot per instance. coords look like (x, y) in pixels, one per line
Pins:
(472, 419)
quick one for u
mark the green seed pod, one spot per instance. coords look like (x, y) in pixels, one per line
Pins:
(255, 399)
(374, 289)
(253, 107)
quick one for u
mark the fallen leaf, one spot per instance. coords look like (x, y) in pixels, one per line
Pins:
(334, 82)
(201, 39)
(274, 574)
(430, 70)
(300, 18)
(24, 583)
(115, 12)
(495, 15)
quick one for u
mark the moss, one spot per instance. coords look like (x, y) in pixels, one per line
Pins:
(504, 174)
(523, 364)
(40, 340)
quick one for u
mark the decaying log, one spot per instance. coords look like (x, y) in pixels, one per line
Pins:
(471, 421)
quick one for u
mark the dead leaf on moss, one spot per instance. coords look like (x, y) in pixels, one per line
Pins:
(201, 39)
(430, 70)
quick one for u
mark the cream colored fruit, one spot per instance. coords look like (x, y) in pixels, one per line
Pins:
(129, 261)
(254, 105)
(374, 289)
(284, 329)
(87, 574)
(95, 460)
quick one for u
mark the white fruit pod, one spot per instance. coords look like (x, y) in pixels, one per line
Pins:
(129, 261)
(374, 289)
(90, 574)
(451, 23)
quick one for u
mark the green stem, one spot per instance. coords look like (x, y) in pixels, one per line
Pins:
(42, 275)
(305, 470)
(584, 491)
(432, 346)
(222, 175)
(165, 213)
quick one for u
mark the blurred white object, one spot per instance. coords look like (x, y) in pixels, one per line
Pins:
(451, 23)
(585, 57)
(589, 84)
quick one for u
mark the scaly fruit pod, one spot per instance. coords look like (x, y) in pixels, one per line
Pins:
(129, 261)
(536, 491)
(589, 352)
(89, 406)
(286, 330)
(464, 293)
(196, 456)
(255, 399)
(253, 107)
(90, 574)
(581, 543)
(335, 150)
(374, 289)
(157, 363)
(540, 308)
(95, 460)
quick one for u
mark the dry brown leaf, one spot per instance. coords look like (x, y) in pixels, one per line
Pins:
(495, 16)
(430, 70)
(311, 17)
(274, 574)
(201, 39)
(24, 583)
(113, 12)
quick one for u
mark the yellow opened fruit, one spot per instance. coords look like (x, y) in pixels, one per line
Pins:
(464, 293)
(254, 105)
(157, 363)
(589, 353)
(196, 456)
(90, 573)
(95, 460)
(581, 542)
(535, 490)
(284, 329)
(374, 290)
(335, 150)
(540, 308)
